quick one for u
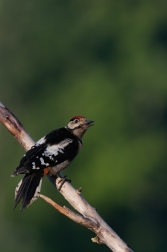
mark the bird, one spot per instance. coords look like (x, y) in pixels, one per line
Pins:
(50, 155)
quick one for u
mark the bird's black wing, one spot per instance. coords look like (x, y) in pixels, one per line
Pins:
(56, 147)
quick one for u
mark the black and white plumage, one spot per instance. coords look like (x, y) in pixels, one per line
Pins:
(51, 154)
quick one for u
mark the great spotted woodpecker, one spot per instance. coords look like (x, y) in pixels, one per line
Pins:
(51, 154)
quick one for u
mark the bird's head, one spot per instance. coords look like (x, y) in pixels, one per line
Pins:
(78, 125)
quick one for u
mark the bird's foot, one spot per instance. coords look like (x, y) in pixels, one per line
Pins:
(62, 181)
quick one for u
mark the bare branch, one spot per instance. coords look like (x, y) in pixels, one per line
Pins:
(100, 228)
(15, 127)
(69, 213)
(88, 215)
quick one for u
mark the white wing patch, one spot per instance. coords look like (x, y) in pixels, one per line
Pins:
(50, 152)
(34, 166)
(43, 162)
(53, 150)
(40, 141)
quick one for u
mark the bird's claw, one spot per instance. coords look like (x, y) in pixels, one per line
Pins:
(62, 181)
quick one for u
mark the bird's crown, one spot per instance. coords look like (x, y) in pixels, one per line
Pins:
(76, 117)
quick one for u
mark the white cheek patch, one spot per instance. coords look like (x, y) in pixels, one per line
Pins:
(73, 125)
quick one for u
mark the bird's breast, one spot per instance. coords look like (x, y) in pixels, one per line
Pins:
(55, 169)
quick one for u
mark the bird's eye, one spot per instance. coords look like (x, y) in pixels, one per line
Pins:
(76, 120)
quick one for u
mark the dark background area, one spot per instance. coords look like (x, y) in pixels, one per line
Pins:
(106, 60)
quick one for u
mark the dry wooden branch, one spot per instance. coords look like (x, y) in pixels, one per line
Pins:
(88, 215)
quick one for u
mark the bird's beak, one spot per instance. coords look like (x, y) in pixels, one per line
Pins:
(89, 123)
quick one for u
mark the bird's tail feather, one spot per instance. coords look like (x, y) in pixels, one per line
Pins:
(28, 189)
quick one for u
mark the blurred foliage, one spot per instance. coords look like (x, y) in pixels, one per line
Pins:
(106, 60)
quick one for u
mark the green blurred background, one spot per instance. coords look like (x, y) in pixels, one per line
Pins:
(106, 60)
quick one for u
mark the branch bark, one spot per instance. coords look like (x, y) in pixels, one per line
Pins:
(87, 215)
